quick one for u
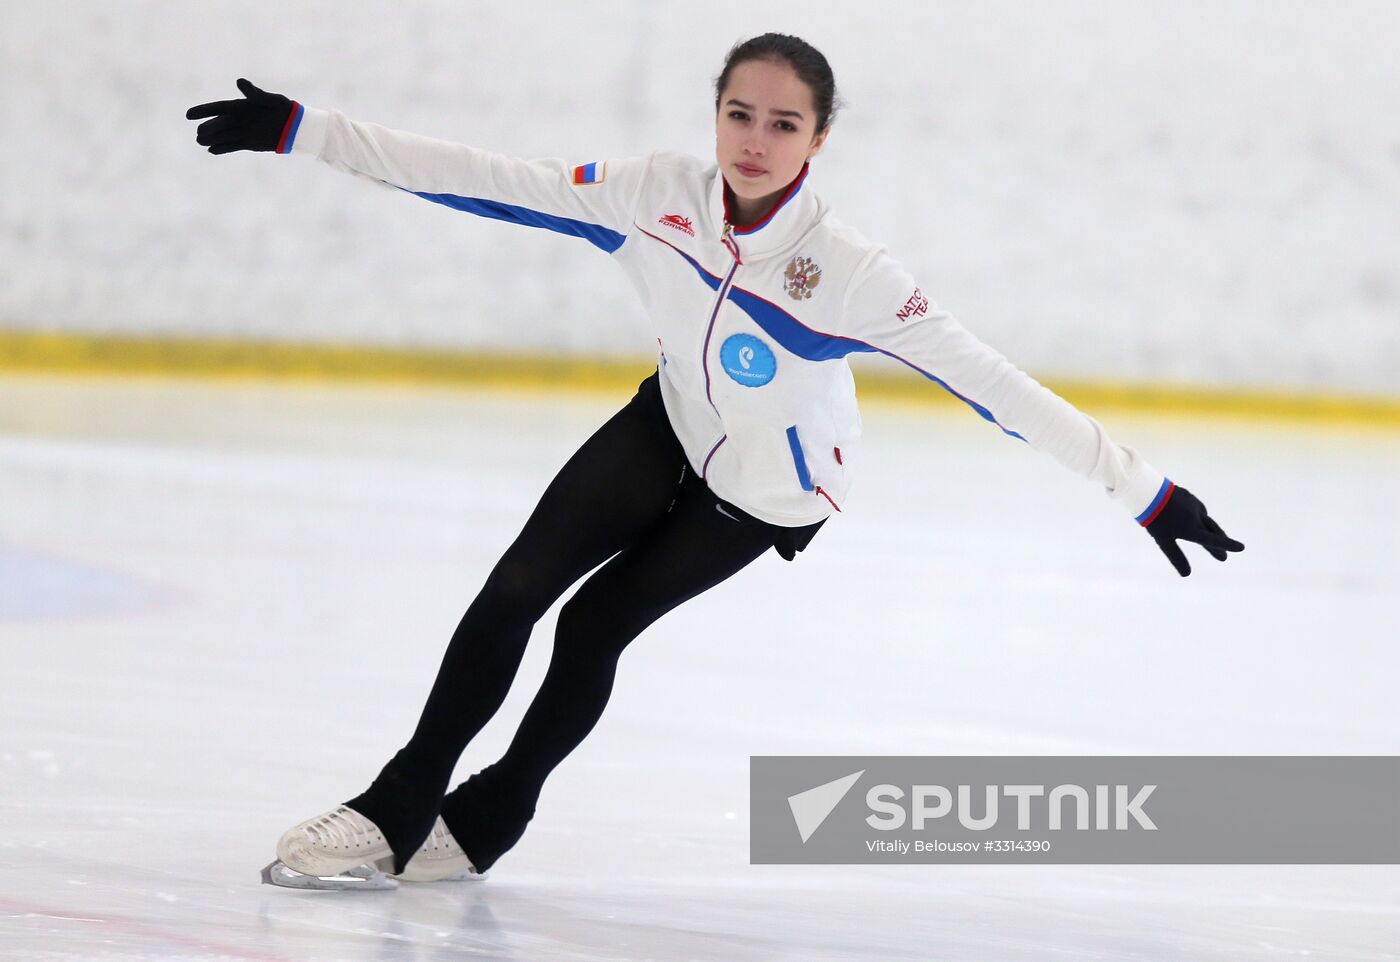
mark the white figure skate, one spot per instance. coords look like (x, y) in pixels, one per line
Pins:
(343, 850)
(440, 859)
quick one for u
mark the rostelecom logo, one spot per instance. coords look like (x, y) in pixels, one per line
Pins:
(810, 808)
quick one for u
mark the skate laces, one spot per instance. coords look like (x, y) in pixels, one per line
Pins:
(343, 828)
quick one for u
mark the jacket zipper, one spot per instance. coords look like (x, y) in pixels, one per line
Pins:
(731, 245)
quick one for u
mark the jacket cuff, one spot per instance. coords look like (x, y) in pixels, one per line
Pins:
(1145, 495)
(305, 132)
(1145, 489)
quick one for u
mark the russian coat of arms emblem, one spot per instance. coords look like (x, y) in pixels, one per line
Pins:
(802, 275)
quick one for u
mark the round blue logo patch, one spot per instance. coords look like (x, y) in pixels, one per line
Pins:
(747, 360)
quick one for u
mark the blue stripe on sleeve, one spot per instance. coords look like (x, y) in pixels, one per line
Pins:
(599, 236)
(296, 125)
(1156, 501)
(986, 414)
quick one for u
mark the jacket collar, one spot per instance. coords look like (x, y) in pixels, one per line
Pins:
(791, 217)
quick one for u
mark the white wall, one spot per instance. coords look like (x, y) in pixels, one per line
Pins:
(1193, 192)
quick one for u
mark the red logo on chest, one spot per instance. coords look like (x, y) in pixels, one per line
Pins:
(682, 224)
(916, 306)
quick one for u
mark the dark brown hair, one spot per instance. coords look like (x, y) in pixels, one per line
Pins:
(805, 60)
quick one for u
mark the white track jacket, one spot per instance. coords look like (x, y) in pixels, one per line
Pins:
(754, 321)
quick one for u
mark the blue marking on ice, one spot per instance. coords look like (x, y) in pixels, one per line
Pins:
(42, 586)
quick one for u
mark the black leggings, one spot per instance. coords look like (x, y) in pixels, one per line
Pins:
(627, 497)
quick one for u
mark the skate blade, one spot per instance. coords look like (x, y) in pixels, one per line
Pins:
(362, 878)
(416, 872)
(466, 875)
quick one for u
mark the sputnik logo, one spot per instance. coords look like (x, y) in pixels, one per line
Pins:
(682, 224)
(810, 808)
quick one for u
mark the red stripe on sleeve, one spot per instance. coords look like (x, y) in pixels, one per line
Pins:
(287, 127)
(1171, 486)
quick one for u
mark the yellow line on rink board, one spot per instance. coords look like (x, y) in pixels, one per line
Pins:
(224, 359)
(232, 359)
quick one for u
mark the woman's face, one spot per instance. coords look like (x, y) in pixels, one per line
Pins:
(765, 129)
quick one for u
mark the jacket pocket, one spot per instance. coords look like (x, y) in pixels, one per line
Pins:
(830, 469)
(799, 460)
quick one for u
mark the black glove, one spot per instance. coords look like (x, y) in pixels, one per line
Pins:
(259, 122)
(1183, 516)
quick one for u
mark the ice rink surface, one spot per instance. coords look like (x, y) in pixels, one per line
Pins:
(222, 604)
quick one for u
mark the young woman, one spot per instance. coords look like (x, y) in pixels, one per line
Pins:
(744, 439)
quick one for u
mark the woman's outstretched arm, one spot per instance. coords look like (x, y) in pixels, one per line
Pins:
(595, 201)
(888, 312)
